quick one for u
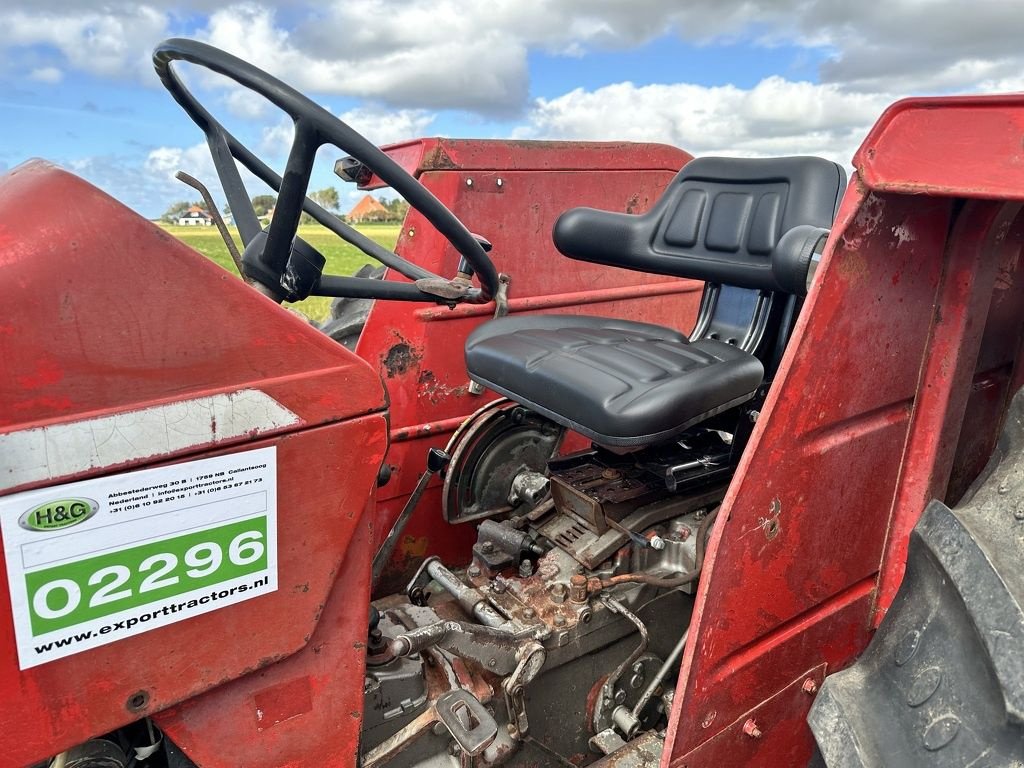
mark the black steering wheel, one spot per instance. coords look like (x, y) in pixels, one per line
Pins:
(286, 267)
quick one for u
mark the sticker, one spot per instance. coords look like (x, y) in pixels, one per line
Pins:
(97, 561)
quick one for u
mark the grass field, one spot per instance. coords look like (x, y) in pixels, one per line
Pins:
(342, 258)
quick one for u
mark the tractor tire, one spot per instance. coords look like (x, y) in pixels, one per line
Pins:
(348, 316)
(942, 681)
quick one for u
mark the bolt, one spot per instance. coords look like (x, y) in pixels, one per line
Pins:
(1018, 512)
(469, 182)
(636, 681)
(559, 591)
(529, 613)
(454, 749)
(498, 587)
(487, 547)
(620, 696)
(638, 668)
(809, 686)
(1003, 489)
(526, 568)
(750, 728)
(500, 183)
(753, 416)
(578, 588)
(474, 570)
(559, 620)
(492, 663)
(656, 542)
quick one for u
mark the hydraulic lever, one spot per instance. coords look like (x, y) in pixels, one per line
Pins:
(437, 460)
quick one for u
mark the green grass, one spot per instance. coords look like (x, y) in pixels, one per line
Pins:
(342, 258)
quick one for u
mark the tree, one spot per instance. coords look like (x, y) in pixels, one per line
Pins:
(325, 198)
(397, 209)
(263, 203)
(174, 212)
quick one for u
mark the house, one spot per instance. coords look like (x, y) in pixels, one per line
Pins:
(368, 209)
(195, 217)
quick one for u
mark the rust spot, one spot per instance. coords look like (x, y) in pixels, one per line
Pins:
(399, 359)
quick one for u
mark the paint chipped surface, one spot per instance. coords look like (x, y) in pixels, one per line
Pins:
(61, 450)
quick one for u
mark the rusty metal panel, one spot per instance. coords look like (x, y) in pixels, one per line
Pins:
(105, 315)
(967, 146)
(851, 445)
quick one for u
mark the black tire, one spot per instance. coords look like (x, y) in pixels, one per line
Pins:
(942, 682)
(348, 316)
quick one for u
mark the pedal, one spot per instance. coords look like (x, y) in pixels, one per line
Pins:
(468, 721)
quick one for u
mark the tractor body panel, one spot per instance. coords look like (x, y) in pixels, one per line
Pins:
(122, 348)
(920, 284)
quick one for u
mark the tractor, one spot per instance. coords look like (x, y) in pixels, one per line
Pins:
(638, 458)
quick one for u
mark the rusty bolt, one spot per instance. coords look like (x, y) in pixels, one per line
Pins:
(526, 568)
(474, 570)
(498, 587)
(750, 728)
(578, 588)
(529, 613)
(559, 620)
(559, 591)
(809, 686)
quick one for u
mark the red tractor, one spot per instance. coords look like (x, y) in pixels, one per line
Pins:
(723, 468)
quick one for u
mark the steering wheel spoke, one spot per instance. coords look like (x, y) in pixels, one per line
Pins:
(286, 267)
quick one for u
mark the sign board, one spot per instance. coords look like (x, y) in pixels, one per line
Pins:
(97, 561)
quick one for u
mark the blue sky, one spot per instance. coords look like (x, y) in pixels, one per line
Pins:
(712, 76)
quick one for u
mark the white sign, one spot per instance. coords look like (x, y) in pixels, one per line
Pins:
(96, 561)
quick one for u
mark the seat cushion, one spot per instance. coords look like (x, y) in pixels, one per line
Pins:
(617, 382)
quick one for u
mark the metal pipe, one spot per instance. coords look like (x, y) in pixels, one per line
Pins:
(670, 662)
(670, 582)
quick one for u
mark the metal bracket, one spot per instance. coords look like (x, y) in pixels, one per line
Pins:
(500, 310)
(531, 660)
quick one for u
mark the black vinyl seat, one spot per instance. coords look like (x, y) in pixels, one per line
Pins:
(738, 223)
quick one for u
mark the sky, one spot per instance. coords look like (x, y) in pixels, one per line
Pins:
(732, 77)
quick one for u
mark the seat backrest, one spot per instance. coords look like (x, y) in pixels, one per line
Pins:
(721, 220)
(747, 227)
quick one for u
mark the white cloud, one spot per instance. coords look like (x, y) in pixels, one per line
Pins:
(387, 126)
(110, 42)
(46, 75)
(775, 117)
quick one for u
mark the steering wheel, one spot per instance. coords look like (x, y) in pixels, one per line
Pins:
(276, 260)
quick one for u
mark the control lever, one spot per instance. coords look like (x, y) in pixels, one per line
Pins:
(437, 460)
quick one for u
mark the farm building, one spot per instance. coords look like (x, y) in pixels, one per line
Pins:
(367, 209)
(195, 217)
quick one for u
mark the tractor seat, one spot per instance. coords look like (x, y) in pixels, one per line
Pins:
(616, 382)
(745, 227)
